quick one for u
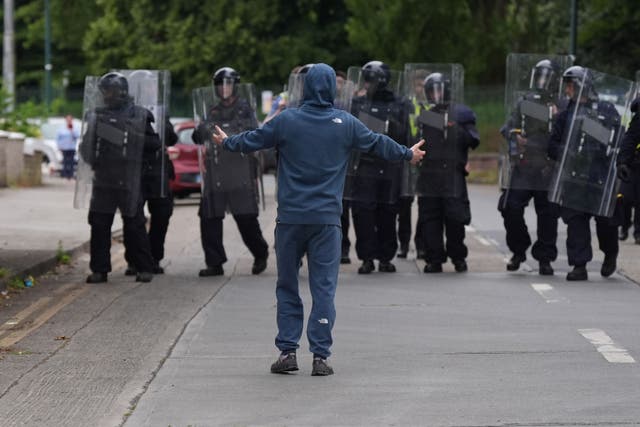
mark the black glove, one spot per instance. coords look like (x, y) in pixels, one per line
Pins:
(624, 173)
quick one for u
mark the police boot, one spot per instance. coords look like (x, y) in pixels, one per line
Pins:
(579, 272)
(433, 267)
(608, 265)
(515, 261)
(624, 233)
(386, 267)
(460, 265)
(545, 268)
(144, 276)
(215, 270)
(404, 250)
(259, 265)
(130, 271)
(367, 267)
(97, 278)
(344, 258)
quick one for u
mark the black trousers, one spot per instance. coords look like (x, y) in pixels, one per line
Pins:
(344, 223)
(404, 220)
(160, 210)
(211, 237)
(579, 235)
(375, 227)
(518, 238)
(442, 216)
(631, 210)
(136, 242)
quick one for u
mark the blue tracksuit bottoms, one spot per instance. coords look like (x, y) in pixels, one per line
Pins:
(321, 243)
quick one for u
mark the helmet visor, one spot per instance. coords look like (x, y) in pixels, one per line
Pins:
(541, 78)
(226, 87)
(435, 93)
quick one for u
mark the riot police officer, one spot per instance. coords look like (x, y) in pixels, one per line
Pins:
(157, 170)
(375, 186)
(589, 166)
(527, 133)
(629, 173)
(230, 179)
(115, 139)
(449, 129)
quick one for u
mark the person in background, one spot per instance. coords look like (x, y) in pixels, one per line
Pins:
(66, 139)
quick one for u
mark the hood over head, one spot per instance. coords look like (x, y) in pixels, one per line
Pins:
(320, 86)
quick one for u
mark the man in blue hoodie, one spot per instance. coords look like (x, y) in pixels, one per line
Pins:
(314, 142)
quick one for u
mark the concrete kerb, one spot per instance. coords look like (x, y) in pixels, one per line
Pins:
(49, 263)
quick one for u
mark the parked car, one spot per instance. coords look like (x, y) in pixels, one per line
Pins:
(46, 144)
(184, 155)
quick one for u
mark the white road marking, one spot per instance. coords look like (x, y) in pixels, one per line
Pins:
(482, 240)
(606, 347)
(546, 291)
(494, 242)
(470, 228)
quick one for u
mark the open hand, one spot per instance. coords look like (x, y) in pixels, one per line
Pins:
(219, 135)
(418, 154)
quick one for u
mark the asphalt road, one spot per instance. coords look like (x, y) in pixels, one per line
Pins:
(483, 348)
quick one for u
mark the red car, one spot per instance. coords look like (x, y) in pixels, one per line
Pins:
(184, 155)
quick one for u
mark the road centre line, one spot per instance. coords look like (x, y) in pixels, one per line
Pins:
(606, 347)
(482, 240)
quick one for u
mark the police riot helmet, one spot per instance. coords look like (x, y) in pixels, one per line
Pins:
(226, 77)
(377, 74)
(581, 80)
(544, 75)
(114, 89)
(437, 88)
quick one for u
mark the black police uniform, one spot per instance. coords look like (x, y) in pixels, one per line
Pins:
(232, 118)
(112, 185)
(445, 213)
(530, 177)
(157, 194)
(629, 159)
(376, 207)
(579, 250)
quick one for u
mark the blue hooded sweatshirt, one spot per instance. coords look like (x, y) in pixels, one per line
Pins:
(314, 143)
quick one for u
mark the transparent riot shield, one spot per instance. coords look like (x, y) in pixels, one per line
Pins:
(150, 89)
(532, 99)
(382, 109)
(437, 94)
(585, 177)
(230, 181)
(115, 133)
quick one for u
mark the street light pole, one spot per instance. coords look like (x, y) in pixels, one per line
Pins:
(8, 56)
(47, 55)
(574, 27)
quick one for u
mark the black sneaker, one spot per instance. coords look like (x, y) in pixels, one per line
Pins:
(144, 276)
(624, 234)
(367, 267)
(386, 267)
(579, 272)
(433, 267)
(608, 265)
(286, 363)
(545, 268)
(216, 270)
(97, 278)
(460, 265)
(259, 265)
(130, 271)
(515, 261)
(320, 367)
